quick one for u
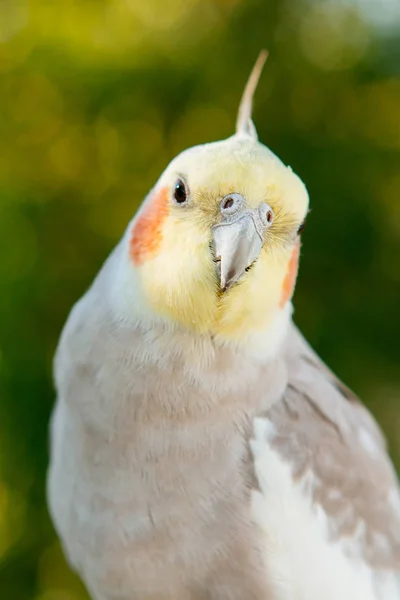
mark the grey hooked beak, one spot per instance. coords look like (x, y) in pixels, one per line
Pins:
(239, 237)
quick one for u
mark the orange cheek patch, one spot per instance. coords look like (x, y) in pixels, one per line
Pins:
(291, 275)
(147, 231)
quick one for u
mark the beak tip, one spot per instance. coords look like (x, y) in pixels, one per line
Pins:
(223, 283)
(224, 288)
(226, 279)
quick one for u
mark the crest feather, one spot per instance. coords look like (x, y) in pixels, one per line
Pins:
(244, 123)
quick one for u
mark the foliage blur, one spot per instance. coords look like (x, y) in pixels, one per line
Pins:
(96, 96)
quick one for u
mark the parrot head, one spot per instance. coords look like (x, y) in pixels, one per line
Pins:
(215, 245)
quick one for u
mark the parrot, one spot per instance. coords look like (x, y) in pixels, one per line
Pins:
(199, 448)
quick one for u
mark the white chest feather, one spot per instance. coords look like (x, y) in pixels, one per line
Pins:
(302, 562)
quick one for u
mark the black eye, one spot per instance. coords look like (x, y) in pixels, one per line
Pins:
(300, 229)
(180, 192)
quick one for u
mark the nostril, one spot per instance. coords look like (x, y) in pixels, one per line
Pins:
(227, 203)
(266, 213)
(231, 204)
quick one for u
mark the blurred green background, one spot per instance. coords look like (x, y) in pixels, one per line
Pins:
(95, 98)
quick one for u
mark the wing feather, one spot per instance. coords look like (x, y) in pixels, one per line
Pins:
(321, 427)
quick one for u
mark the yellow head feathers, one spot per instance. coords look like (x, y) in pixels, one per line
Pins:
(227, 211)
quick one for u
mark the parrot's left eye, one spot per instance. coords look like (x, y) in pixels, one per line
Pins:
(180, 192)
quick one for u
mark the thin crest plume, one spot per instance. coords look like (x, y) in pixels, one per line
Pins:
(244, 123)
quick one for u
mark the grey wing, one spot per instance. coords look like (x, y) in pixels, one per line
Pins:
(320, 426)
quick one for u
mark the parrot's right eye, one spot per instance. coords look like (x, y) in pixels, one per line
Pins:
(180, 192)
(302, 225)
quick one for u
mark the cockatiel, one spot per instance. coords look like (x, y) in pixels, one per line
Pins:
(199, 447)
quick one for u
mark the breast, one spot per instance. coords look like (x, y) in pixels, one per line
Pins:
(165, 507)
